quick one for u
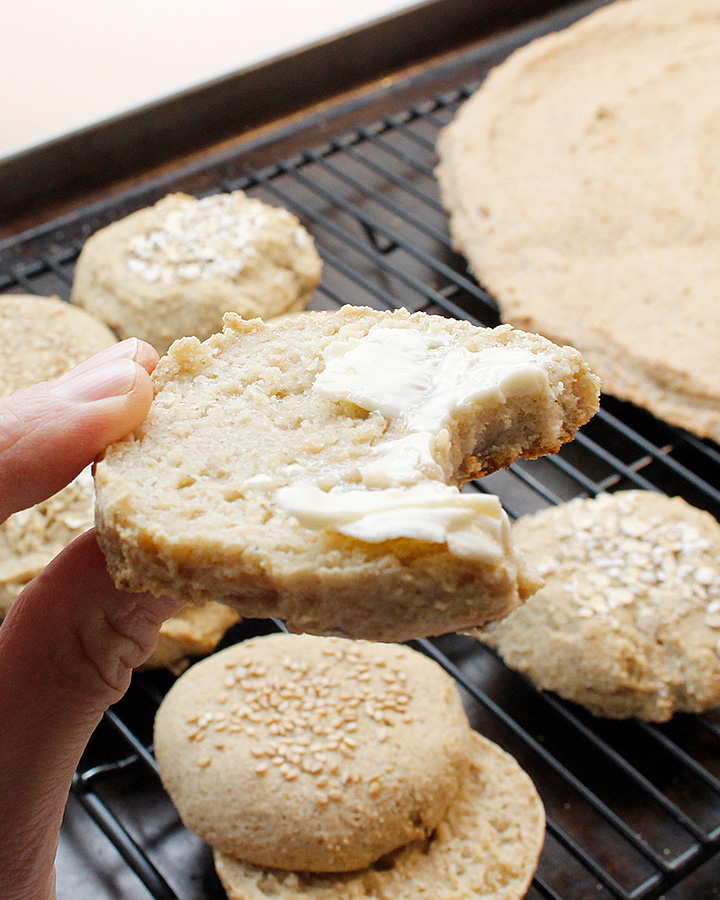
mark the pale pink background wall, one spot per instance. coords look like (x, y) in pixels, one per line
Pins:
(65, 64)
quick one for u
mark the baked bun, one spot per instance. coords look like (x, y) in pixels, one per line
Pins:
(628, 621)
(310, 470)
(317, 754)
(174, 268)
(44, 337)
(328, 769)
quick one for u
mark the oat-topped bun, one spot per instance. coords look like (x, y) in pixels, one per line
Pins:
(486, 848)
(29, 539)
(628, 622)
(44, 337)
(321, 755)
(174, 268)
(308, 470)
(583, 183)
(312, 753)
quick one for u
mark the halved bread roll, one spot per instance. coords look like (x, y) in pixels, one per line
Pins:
(311, 470)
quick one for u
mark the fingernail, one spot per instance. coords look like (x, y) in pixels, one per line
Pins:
(112, 379)
(122, 350)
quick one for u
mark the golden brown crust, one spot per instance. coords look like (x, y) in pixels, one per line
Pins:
(628, 621)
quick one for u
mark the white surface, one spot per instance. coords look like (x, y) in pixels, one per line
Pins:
(65, 65)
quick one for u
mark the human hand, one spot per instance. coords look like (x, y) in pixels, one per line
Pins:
(70, 641)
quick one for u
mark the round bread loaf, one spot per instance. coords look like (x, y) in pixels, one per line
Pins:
(308, 470)
(311, 753)
(628, 622)
(583, 188)
(174, 268)
(44, 337)
(486, 848)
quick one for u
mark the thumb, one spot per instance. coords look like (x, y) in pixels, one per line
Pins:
(51, 431)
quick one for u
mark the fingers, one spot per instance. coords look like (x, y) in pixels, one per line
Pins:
(67, 648)
(53, 430)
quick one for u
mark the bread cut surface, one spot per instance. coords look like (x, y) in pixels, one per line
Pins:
(628, 621)
(486, 848)
(309, 470)
(312, 753)
(582, 183)
(173, 269)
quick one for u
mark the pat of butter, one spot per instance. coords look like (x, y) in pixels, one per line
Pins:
(470, 524)
(421, 379)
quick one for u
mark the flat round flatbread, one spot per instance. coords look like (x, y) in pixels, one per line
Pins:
(583, 183)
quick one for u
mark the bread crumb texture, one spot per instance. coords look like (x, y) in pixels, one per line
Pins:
(172, 269)
(335, 503)
(628, 621)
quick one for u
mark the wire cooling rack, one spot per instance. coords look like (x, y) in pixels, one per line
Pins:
(633, 808)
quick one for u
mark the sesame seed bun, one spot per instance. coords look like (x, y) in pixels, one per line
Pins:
(314, 754)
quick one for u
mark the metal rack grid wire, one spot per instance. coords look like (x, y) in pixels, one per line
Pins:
(633, 808)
